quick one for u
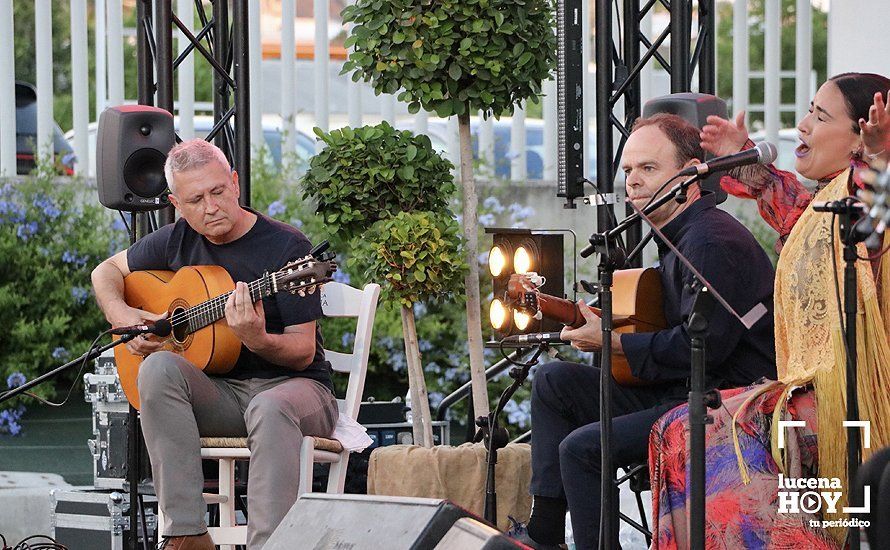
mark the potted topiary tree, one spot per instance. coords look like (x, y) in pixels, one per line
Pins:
(384, 195)
(455, 57)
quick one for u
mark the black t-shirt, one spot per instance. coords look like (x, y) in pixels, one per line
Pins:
(267, 247)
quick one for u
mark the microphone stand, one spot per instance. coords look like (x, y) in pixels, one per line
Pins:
(848, 215)
(132, 429)
(88, 356)
(697, 325)
(495, 436)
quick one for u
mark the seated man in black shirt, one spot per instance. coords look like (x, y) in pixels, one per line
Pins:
(565, 396)
(280, 388)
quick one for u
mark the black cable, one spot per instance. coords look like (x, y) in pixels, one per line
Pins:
(124, 218)
(660, 189)
(837, 287)
(141, 506)
(23, 544)
(83, 365)
(513, 361)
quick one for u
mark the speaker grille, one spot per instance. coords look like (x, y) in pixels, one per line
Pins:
(144, 172)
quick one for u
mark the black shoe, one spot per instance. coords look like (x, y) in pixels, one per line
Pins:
(531, 543)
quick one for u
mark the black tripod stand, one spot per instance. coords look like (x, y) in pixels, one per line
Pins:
(495, 436)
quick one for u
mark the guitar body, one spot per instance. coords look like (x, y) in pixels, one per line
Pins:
(637, 306)
(213, 349)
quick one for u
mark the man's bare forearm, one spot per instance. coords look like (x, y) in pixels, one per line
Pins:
(108, 285)
(292, 350)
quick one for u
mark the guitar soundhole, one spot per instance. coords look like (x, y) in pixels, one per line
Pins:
(180, 330)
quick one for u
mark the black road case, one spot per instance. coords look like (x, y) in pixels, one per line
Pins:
(97, 520)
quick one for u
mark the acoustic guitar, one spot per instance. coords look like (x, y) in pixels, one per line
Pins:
(636, 307)
(194, 299)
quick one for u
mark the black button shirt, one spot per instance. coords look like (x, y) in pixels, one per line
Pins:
(729, 257)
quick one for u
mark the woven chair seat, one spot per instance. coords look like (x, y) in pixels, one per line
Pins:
(321, 443)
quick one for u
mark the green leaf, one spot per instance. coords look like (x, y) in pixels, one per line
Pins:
(411, 153)
(454, 71)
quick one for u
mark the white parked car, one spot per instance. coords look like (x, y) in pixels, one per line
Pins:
(272, 132)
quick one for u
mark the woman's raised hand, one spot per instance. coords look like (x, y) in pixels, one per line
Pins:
(876, 130)
(723, 137)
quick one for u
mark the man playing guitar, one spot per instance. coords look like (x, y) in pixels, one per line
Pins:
(280, 387)
(565, 396)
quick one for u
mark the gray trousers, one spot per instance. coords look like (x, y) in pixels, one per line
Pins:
(181, 404)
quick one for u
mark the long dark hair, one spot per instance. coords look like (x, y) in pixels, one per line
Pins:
(859, 90)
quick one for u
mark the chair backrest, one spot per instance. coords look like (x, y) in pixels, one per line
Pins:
(342, 300)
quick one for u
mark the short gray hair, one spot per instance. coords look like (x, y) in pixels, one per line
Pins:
(190, 155)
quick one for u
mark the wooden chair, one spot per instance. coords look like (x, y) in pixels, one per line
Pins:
(337, 300)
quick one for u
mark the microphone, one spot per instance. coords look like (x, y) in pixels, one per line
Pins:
(535, 338)
(764, 153)
(161, 327)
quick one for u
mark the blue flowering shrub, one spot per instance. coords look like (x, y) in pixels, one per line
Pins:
(52, 233)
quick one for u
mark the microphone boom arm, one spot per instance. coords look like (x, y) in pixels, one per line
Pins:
(93, 353)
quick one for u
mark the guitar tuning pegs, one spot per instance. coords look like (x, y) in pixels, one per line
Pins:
(302, 293)
(311, 289)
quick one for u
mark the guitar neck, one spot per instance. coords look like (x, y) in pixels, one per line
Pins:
(208, 312)
(560, 310)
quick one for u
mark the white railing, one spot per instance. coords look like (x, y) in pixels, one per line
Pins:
(358, 103)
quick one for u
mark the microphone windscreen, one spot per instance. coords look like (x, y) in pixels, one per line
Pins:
(768, 152)
(162, 327)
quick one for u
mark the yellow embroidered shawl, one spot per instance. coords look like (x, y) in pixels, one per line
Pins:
(809, 343)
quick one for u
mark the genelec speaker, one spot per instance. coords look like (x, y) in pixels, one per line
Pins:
(371, 522)
(131, 148)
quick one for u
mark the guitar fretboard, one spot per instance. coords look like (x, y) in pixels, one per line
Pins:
(214, 309)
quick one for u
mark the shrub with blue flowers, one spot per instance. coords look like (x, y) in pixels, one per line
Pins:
(52, 233)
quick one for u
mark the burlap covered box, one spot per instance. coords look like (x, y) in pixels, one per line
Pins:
(457, 474)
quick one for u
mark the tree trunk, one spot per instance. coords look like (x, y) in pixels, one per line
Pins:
(422, 428)
(471, 255)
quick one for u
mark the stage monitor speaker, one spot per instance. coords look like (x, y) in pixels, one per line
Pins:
(469, 534)
(694, 108)
(371, 522)
(131, 148)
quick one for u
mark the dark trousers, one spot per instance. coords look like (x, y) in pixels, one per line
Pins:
(566, 437)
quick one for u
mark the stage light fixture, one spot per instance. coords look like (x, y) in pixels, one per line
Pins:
(523, 251)
(497, 260)
(521, 320)
(498, 315)
(522, 260)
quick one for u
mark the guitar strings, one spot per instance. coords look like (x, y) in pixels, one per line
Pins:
(210, 306)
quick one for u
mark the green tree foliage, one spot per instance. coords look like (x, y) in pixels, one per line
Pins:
(454, 55)
(375, 172)
(415, 253)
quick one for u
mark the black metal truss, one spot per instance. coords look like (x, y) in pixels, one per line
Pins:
(619, 67)
(225, 48)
